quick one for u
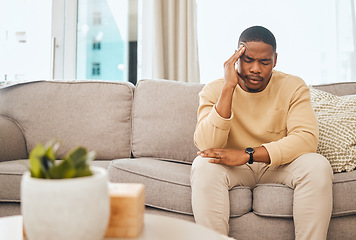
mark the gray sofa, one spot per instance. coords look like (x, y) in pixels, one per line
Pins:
(144, 134)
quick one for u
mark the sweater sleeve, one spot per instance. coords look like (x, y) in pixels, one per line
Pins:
(212, 130)
(302, 130)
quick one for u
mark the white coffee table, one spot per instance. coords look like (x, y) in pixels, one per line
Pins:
(155, 228)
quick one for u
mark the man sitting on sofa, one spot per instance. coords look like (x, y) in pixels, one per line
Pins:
(257, 125)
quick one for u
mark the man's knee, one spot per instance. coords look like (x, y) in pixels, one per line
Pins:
(316, 168)
(205, 172)
(316, 163)
(203, 165)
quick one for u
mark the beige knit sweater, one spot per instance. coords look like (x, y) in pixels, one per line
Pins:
(280, 118)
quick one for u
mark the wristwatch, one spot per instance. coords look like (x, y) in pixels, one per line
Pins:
(250, 151)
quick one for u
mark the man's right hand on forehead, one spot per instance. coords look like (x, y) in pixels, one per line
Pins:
(230, 74)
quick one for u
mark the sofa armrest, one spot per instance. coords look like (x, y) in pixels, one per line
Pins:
(12, 140)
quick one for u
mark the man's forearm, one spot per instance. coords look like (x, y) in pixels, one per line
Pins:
(261, 155)
(232, 157)
(224, 104)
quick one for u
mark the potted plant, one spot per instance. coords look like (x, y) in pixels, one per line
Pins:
(64, 199)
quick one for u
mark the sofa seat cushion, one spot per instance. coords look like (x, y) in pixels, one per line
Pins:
(94, 114)
(167, 184)
(344, 194)
(11, 174)
(273, 200)
(10, 179)
(276, 200)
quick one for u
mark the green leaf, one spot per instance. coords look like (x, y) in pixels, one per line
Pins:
(63, 170)
(84, 168)
(48, 160)
(36, 161)
(83, 172)
(78, 156)
(90, 157)
(51, 153)
(75, 164)
(36, 168)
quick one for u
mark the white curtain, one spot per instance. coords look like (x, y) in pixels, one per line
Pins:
(338, 44)
(168, 44)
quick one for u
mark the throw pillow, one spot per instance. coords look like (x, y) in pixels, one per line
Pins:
(337, 128)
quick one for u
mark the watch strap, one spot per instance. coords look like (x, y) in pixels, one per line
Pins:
(250, 151)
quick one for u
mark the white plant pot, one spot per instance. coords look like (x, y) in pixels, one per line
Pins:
(65, 209)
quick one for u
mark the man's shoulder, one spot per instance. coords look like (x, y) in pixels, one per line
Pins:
(214, 87)
(287, 81)
(216, 83)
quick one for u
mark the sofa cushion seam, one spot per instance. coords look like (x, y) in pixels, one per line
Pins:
(10, 201)
(139, 174)
(272, 215)
(10, 174)
(343, 213)
(167, 209)
(344, 181)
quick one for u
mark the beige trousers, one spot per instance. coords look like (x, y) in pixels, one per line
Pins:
(310, 175)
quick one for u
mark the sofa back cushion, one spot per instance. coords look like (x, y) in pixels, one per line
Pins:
(96, 115)
(339, 89)
(164, 120)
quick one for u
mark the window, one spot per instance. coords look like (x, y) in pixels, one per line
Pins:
(97, 18)
(316, 40)
(105, 32)
(111, 27)
(96, 45)
(96, 69)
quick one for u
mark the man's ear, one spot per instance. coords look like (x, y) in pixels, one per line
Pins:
(275, 60)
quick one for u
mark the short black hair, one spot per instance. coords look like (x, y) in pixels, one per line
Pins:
(258, 34)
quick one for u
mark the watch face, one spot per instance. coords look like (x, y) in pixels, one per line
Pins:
(249, 150)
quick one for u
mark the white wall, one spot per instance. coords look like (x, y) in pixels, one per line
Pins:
(309, 35)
